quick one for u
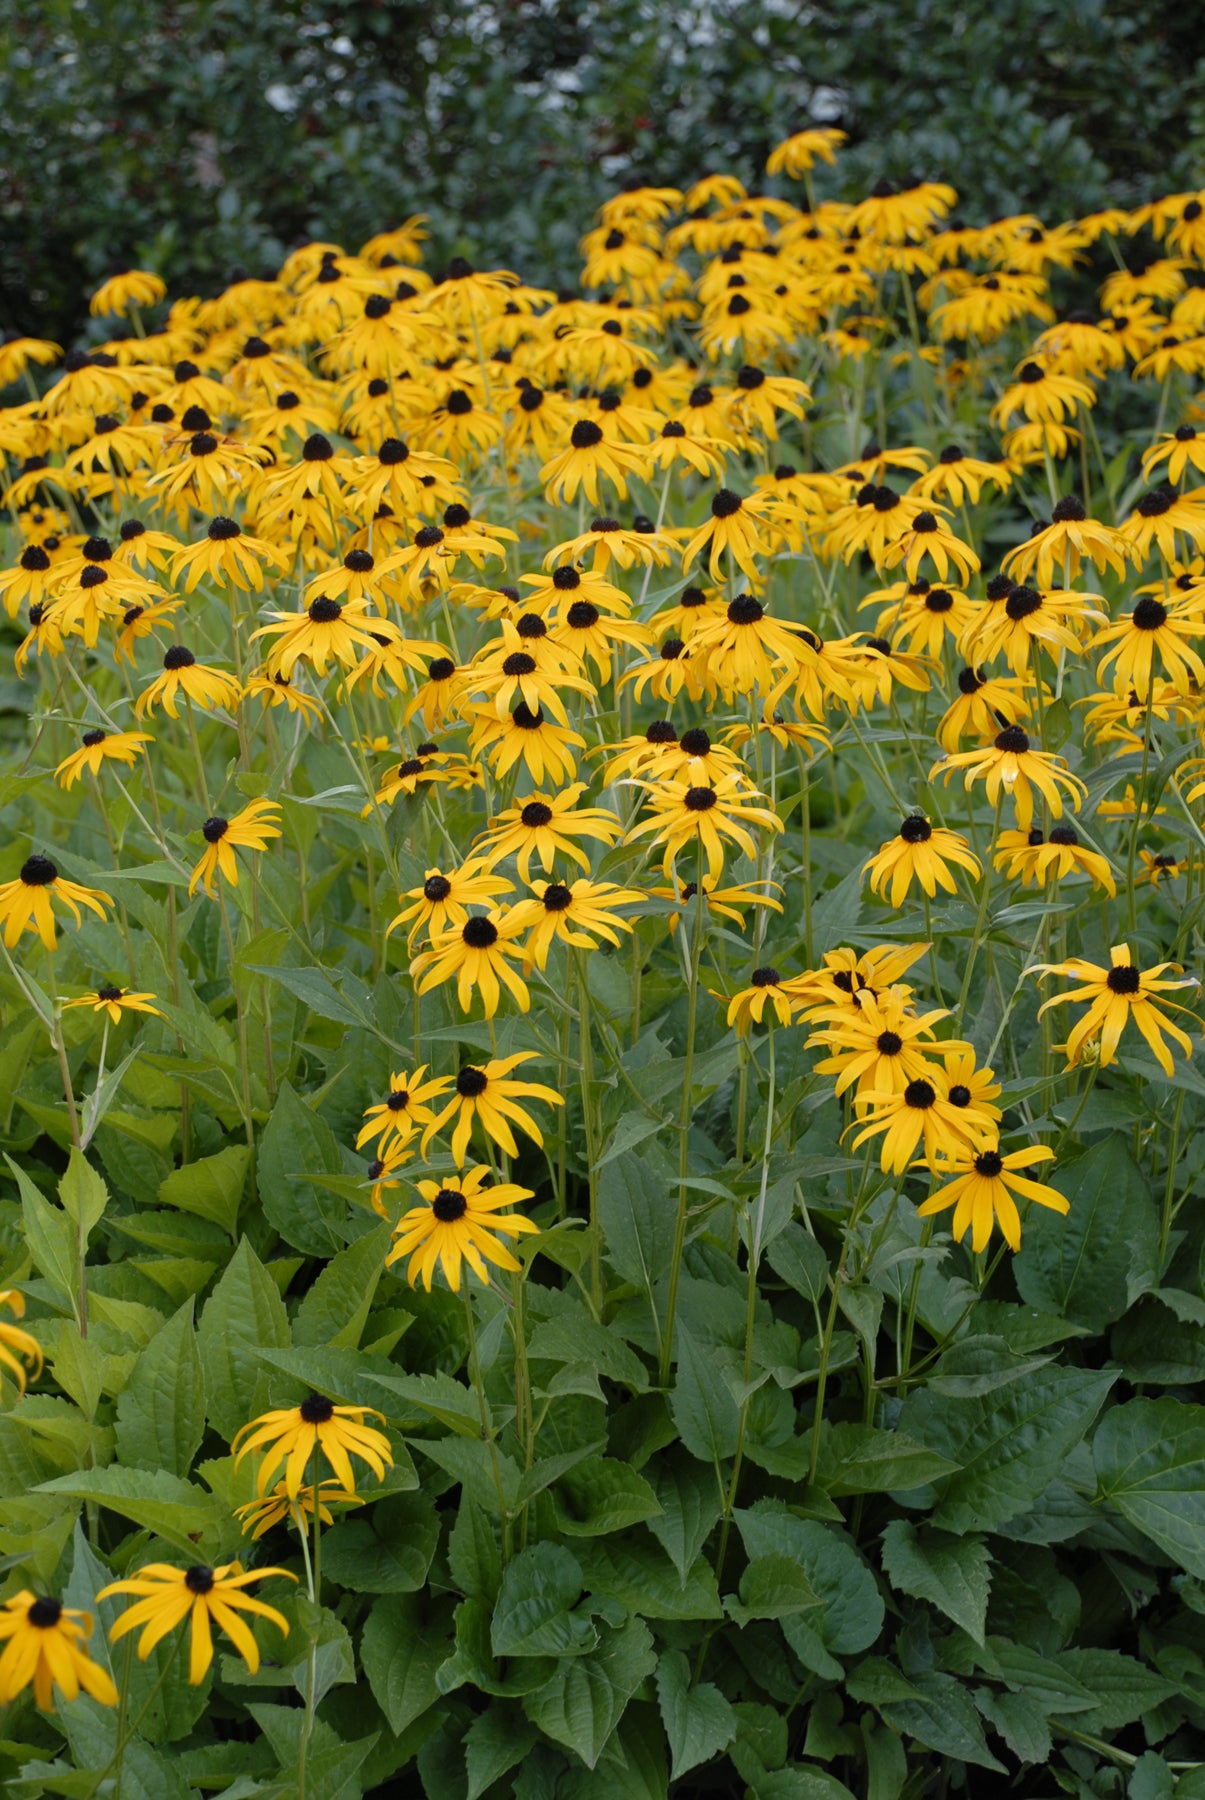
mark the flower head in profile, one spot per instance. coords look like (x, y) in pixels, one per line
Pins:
(131, 288)
(115, 1001)
(460, 1223)
(167, 1596)
(1034, 858)
(259, 1516)
(26, 903)
(18, 1349)
(983, 1192)
(766, 990)
(295, 1435)
(1119, 995)
(95, 748)
(251, 829)
(184, 675)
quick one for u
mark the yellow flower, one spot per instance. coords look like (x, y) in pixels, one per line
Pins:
(543, 825)
(982, 1192)
(122, 746)
(444, 900)
(460, 1221)
(733, 527)
(1151, 627)
(43, 1643)
(183, 674)
(766, 989)
(203, 1596)
(1009, 766)
(13, 1339)
(476, 954)
(132, 288)
(293, 1435)
(25, 904)
(251, 829)
(919, 853)
(403, 1110)
(569, 913)
(115, 1001)
(259, 1516)
(227, 555)
(681, 814)
(1036, 859)
(488, 1094)
(921, 1111)
(1061, 548)
(930, 536)
(588, 456)
(1119, 994)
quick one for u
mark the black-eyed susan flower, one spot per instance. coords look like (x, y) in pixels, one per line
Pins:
(1120, 994)
(1163, 519)
(587, 458)
(227, 555)
(26, 903)
(1042, 393)
(96, 748)
(167, 1596)
(444, 900)
(259, 1516)
(477, 954)
(279, 690)
(1058, 551)
(1181, 449)
(1034, 858)
(115, 1001)
(131, 288)
(1162, 866)
(404, 1109)
(296, 1435)
(460, 1223)
(1009, 766)
(983, 1189)
(744, 648)
(920, 1113)
(32, 580)
(1025, 622)
(924, 617)
(19, 1350)
(734, 526)
(543, 747)
(487, 1093)
(251, 829)
(920, 852)
(324, 631)
(879, 1043)
(204, 686)
(957, 476)
(929, 538)
(1152, 629)
(982, 702)
(43, 1644)
(569, 913)
(765, 990)
(681, 813)
(546, 825)
(798, 153)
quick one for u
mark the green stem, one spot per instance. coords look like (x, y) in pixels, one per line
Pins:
(675, 1265)
(487, 1429)
(585, 1042)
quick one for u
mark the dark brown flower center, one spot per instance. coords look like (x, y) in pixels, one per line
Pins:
(1124, 980)
(316, 1409)
(449, 1205)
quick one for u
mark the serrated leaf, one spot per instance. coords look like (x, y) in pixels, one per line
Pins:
(1091, 1263)
(162, 1503)
(161, 1409)
(295, 1144)
(860, 1459)
(335, 1309)
(699, 1721)
(690, 1504)
(640, 1576)
(83, 1193)
(951, 1573)
(703, 1409)
(495, 1741)
(600, 1494)
(212, 1187)
(243, 1314)
(944, 1720)
(772, 1586)
(1150, 1463)
(400, 1654)
(584, 1701)
(532, 1614)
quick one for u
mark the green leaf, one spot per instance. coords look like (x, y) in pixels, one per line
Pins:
(387, 1553)
(1092, 1263)
(83, 1193)
(772, 1586)
(690, 1506)
(1150, 1463)
(1021, 1723)
(532, 1616)
(1010, 1442)
(212, 1187)
(799, 1260)
(859, 1459)
(642, 1578)
(1122, 1688)
(637, 1225)
(49, 1236)
(315, 988)
(296, 1143)
(161, 1409)
(703, 1409)
(584, 1701)
(335, 1309)
(174, 1509)
(852, 1610)
(944, 1720)
(243, 1314)
(599, 1495)
(699, 1721)
(494, 1742)
(474, 1553)
(572, 1336)
(951, 1573)
(400, 1653)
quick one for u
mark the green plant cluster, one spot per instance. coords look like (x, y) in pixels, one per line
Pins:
(199, 137)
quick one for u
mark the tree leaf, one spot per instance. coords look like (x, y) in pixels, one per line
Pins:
(699, 1721)
(1150, 1463)
(161, 1409)
(951, 1573)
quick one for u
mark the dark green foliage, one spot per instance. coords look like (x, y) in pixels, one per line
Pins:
(201, 137)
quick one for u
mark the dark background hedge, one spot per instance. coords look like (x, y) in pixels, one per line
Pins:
(206, 137)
